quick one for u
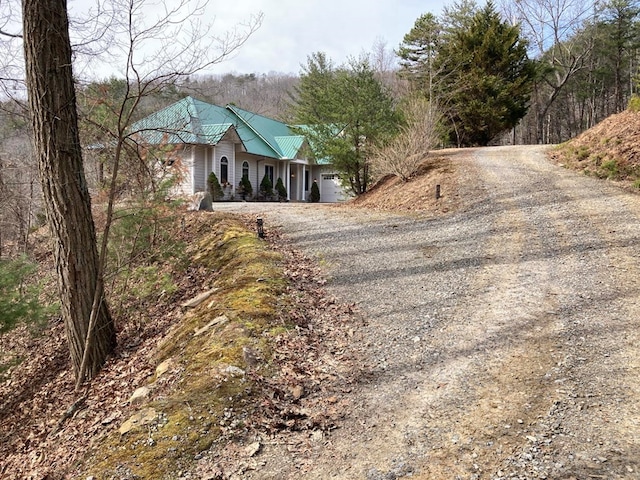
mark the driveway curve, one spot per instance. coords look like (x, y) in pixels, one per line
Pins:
(502, 339)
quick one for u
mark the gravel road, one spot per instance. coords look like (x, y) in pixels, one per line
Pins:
(502, 338)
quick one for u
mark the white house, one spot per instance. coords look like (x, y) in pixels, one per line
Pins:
(232, 143)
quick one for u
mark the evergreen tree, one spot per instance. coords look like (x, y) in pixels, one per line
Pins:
(418, 53)
(347, 112)
(280, 188)
(314, 196)
(266, 187)
(214, 187)
(17, 302)
(245, 187)
(490, 78)
(313, 99)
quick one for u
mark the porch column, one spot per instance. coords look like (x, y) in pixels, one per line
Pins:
(304, 175)
(288, 176)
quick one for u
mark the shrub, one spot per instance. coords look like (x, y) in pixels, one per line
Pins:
(403, 154)
(583, 153)
(634, 104)
(280, 188)
(314, 196)
(214, 187)
(266, 187)
(611, 168)
(246, 189)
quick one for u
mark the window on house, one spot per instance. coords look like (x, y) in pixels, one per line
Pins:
(224, 170)
(245, 169)
(268, 171)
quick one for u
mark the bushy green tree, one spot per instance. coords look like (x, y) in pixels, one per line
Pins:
(266, 187)
(280, 188)
(214, 187)
(347, 112)
(246, 189)
(474, 66)
(314, 195)
(487, 68)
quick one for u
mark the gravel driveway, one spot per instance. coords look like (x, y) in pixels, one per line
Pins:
(503, 338)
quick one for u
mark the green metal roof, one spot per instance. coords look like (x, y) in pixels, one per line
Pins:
(196, 122)
(289, 145)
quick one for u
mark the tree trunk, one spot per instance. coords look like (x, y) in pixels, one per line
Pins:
(68, 205)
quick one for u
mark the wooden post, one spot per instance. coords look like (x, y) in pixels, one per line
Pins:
(437, 192)
(260, 227)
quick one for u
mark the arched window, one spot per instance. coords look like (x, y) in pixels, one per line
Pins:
(224, 170)
(245, 169)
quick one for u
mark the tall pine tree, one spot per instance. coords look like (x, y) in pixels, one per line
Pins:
(487, 68)
(346, 112)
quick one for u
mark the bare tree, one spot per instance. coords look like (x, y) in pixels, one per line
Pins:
(47, 49)
(19, 191)
(403, 156)
(549, 26)
(155, 46)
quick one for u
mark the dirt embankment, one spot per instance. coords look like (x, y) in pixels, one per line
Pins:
(610, 150)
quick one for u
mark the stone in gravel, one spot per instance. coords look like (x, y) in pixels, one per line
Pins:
(253, 448)
(297, 392)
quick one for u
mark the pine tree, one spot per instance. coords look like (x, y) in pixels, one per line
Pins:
(214, 187)
(282, 191)
(418, 53)
(266, 187)
(314, 196)
(246, 187)
(17, 302)
(487, 69)
(347, 112)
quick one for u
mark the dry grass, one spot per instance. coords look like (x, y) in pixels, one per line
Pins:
(418, 194)
(609, 150)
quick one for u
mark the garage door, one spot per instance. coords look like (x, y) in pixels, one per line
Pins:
(330, 189)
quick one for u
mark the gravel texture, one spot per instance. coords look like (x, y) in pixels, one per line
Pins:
(501, 339)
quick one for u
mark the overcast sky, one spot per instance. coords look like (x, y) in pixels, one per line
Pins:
(293, 29)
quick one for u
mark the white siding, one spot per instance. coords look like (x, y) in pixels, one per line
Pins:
(199, 169)
(186, 173)
(253, 170)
